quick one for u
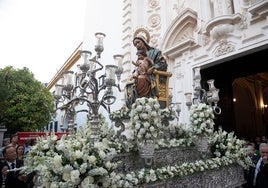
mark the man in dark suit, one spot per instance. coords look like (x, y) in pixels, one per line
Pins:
(8, 176)
(249, 173)
(261, 171)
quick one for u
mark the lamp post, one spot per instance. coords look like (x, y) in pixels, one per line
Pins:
(84, 87)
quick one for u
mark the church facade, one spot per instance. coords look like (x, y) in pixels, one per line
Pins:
(226, 40)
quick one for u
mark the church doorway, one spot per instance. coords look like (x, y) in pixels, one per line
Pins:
(243, 84)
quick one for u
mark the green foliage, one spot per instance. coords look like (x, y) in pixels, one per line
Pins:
(25, 103)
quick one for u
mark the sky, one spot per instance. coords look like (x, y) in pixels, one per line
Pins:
(42, 34)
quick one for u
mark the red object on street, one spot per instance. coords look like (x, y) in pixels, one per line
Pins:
(22, 136)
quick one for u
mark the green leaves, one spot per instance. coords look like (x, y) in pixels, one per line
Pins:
(25, 103)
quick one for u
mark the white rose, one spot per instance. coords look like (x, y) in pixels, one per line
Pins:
(152, 129)
(154, 114)
(139, 108)
(92, 159)
(66, 176)
(137, 126)
(45, 146)
(54, 185)
(108, 165)
(102, 154)
(83, 168)
(142, 131)
(57, 161)
(144, 116)
(87, 182)
(148, 108)
(146, 125)
(75, 175)
(78, 154)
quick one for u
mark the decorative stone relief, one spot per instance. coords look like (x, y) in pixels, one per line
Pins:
(154, 20)
(186, 33)
(153, 4)
(223, 48)
(243, 23)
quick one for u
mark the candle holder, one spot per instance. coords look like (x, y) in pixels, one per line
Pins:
(83, 87)
(210, 97)
(188, 100)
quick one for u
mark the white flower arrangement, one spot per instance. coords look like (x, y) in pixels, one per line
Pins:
(168, 113)
(70, 161)
(201, 119)
(224, 144)
(174, 135)
(73, 162)
(123, 113)
(145, 119)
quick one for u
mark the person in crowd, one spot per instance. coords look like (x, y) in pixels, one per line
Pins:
(260, 179)
(14, 140)
(257, 142)
(20, 152)
(13, 178)
(33, 142)
(27, 146)
(249, 173)
(6, 141)
(264, 139)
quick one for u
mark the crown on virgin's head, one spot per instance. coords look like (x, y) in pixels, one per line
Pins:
(143, 34)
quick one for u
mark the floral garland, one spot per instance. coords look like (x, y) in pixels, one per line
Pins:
(201, 119)
(122, 113)
(145, 119)
(145, 176)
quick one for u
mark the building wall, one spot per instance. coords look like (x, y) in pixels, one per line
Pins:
(192, 34)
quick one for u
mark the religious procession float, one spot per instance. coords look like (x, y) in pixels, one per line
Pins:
(145, 146)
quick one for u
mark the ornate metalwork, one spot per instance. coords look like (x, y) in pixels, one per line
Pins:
(210, 97)
(84, 88)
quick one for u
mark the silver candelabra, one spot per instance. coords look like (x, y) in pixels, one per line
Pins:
(83, 87)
